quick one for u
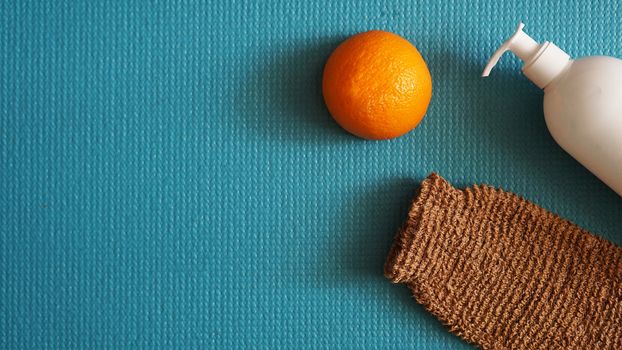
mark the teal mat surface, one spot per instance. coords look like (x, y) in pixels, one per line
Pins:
(171, 179)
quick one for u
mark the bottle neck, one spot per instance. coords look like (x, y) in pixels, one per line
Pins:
(548, 63)
(551, 86)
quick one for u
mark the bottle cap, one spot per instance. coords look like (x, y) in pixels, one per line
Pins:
(542, 62)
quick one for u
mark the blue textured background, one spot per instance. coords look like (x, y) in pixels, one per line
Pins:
(170, 177)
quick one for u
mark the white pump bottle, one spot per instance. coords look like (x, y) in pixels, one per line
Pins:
(582, 102)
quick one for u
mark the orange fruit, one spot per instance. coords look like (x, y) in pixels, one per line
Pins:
(376, 85)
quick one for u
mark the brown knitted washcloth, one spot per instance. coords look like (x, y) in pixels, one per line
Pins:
(503, 273)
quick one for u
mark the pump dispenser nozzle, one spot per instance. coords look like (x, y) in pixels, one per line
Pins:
(542, 62)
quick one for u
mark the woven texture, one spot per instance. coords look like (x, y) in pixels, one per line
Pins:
(170, 177)
(505, 273)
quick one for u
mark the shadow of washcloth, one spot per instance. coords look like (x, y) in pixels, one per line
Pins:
(364, 231)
